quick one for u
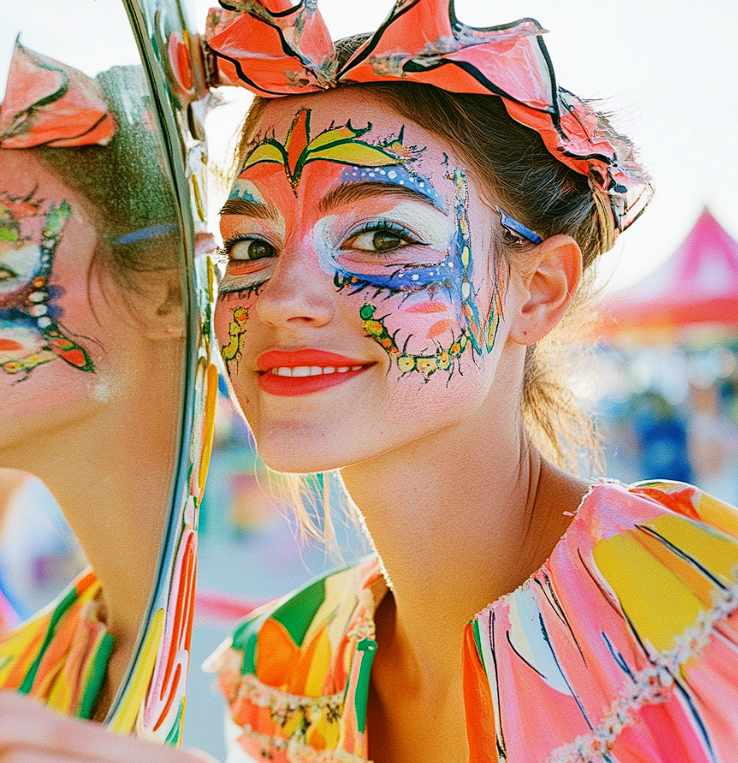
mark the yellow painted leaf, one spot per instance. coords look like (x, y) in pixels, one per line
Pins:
(330, 136)
(266, 152)
(360, 154)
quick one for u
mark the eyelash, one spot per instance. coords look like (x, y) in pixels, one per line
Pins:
(386, 225)
(231, 242)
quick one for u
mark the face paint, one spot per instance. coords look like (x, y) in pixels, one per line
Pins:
(337, 144)
(441, 360)
(236, 332)
(446, 275)
(30, 334)
(454, 275)
(246, 190)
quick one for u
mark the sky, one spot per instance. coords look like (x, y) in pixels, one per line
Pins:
(667, 72)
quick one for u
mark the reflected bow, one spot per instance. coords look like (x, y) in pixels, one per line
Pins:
(50, 104)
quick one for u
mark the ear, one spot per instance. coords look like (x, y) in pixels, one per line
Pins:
(159, 309)
(550, 278)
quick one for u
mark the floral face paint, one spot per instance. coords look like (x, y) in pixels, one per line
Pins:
(30, 332)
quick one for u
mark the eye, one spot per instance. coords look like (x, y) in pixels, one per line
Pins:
(249, 249)
(380, 237)
(378, 241)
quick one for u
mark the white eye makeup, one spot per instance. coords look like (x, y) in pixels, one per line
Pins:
(407, 234)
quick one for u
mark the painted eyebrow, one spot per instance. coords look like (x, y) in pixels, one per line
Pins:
(250, 209)
(349, 193)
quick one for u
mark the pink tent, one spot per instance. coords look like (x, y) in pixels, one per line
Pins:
(697, 284)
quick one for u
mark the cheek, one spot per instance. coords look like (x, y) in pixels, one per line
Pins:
(417, 325)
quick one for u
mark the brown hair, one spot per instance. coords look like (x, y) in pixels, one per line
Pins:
(126, 183)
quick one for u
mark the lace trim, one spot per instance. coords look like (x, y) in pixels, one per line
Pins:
(650, 685)
(280, 702)
(300, 752)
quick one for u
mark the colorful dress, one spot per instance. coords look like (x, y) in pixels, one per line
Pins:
(60, 655)
(621, 648)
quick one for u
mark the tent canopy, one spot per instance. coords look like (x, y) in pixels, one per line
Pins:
(697, 284)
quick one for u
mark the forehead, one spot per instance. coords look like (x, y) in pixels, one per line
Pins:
(21, 171)
(352, 111)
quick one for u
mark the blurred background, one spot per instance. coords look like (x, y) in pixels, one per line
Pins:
(662, 381)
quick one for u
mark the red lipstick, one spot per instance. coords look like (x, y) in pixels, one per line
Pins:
(302, 372)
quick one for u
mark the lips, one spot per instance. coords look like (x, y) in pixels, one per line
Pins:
(305, 371)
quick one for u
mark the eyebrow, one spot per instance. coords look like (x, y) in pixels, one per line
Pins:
(349, 193)
(250, 209)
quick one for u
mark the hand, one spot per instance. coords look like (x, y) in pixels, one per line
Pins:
(32, 733)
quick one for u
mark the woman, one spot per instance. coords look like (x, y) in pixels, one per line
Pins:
(398, 246)
(91, 339)
(394, 250)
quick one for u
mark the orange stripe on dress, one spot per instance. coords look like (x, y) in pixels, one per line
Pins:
(480, 725)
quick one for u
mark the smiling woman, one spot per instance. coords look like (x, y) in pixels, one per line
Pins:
(414, 215)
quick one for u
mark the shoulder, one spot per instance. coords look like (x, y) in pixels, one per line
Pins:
(60, 654)
(268, 642)
(630, 624)
(286, 670)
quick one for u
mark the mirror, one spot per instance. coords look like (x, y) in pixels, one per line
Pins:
(103, 365)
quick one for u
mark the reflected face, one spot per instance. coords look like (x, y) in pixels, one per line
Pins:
(360, 307)
(30, 332)
(61, 329)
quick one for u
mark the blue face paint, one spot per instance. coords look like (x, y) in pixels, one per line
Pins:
(453, 273)
(405, 278)
(246, 190)
(399, 176)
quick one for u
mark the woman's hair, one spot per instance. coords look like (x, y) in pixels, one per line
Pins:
(521, 174)
(127, 185)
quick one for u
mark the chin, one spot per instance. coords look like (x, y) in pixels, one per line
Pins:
(299, 460)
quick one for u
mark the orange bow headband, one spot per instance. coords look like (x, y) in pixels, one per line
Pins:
(276, 49)
(51, 104)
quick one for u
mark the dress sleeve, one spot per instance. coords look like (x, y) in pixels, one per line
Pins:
(624, 645)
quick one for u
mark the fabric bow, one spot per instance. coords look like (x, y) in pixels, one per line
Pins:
(50, 104)
(276, 49)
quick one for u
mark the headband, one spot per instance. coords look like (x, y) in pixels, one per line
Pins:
(51, 104)
(276, 49)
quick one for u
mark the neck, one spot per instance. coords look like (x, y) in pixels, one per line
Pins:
(459, 518)
(111, 473)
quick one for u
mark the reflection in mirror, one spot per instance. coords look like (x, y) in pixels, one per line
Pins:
(92, 340)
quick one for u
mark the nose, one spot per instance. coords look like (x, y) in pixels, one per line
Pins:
(299, 293)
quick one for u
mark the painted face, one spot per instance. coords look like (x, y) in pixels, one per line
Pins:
(30, 334)
(62, 329)
(360, 289)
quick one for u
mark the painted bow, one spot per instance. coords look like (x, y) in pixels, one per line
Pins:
(50, 104)
(276, 49)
